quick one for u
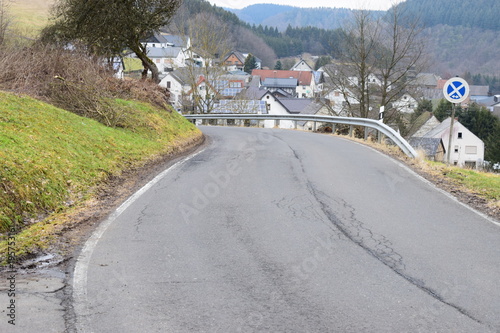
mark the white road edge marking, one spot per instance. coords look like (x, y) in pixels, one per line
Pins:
(404, 166)
(80, 301)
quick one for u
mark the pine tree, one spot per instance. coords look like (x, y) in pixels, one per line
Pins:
(250, 64)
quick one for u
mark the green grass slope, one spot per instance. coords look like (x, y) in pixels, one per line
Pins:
(50, 157)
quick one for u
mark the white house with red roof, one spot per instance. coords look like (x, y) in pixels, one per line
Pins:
(306, 83)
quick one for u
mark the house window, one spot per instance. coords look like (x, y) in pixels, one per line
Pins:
(157, 61)
(459, 135)
(456, 149)
(470, 164)
(168, 84)
(472, 150)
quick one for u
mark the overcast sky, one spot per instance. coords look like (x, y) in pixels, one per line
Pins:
(353, 4)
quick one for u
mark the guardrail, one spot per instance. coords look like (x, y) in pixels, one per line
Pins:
(367, 123)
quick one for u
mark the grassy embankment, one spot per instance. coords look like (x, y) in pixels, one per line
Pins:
(53, 159)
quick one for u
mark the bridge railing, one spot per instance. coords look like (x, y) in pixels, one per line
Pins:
(367, 123)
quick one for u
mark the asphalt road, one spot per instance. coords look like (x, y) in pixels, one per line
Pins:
(285, 231)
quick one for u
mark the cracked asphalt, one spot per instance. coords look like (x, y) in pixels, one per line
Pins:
(285, 231)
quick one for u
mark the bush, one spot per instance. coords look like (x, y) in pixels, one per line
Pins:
(74, 81)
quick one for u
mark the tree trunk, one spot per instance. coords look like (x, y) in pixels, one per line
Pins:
(147, 63)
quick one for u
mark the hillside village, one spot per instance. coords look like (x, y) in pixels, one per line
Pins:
(198, 85)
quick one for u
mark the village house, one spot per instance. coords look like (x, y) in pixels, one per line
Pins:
(306, 84)
(405, 104)
(180, 84)
(170, 52)
(286, 106)
(236, 61)
(302, 65)
(467, 150)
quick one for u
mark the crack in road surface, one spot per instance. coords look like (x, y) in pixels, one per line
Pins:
(378, 246)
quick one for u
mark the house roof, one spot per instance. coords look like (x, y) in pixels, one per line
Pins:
(488, 101)
(429, 145)
(241, 106)
(183, 75)
(238, 72)
(238, 55)
(442, 128)
(163, 52)
(419, 122)
(280, 83)
(479, 90)
(280, 93)
(439, 129)
(162, 37)
(304, 78)
(295, 105)
(255, 92)
(427, 79)
(299, 63)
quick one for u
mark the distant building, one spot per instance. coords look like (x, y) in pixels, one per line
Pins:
(467, 150)
(236, 61)
(302, 65)
(306, 82)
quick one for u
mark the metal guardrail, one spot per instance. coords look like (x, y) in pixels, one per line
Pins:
(370, 123)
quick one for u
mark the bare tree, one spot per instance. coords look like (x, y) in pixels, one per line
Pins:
(378, 59)
(402, 55)
(210, 45)
(350, 74)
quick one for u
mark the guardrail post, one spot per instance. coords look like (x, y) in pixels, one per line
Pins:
(295, 124)
(277, 123)
(334, 128)
(366, 133)
(380, 137)
(351, 129)
(314, 127)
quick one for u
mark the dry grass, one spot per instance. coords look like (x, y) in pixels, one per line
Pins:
(30, 16)
(75, 82)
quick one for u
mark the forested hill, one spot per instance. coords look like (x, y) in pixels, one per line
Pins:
(282, 16)
(483, 14)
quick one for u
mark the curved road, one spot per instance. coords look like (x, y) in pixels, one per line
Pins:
(286, 231)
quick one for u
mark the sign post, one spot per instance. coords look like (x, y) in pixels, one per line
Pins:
(455, 90)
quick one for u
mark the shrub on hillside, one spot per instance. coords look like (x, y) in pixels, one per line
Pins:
(74, 81)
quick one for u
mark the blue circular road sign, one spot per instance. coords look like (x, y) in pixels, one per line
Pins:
(456, 90)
